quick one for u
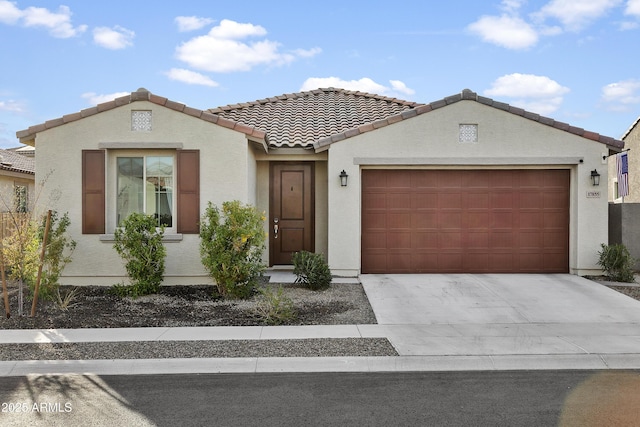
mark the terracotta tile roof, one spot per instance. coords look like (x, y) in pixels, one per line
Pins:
(302, 119)
(14, 162)
(27, 136)
(466, 95)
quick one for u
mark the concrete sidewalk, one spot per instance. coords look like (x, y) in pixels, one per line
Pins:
(435, 323)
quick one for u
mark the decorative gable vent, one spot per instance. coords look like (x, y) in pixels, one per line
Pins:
(468, 133)
(141, 120)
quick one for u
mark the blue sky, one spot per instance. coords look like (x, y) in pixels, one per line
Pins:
(573, 60)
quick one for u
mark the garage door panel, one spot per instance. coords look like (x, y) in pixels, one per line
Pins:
(450, 240)
(450, 220)
(478, 200)
(449, 201)
(465, 221)
(450, 262)
(532, 239)
(399, 221)
(399, 240)
(375, 201)
(529, 200)
(478, 241)
(424, 220)
(426, 240)
(478, 220)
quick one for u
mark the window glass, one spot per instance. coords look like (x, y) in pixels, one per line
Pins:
(145, 184)
(130, 187)
(159, 189)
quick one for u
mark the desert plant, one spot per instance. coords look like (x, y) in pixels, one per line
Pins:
(275, 307)
(617, 262)
(66, 300)
(311, 270)
(231, 246)
(139, 243)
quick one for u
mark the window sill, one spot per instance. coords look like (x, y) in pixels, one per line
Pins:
(167, 238)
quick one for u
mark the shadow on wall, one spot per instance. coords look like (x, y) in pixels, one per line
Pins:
(624, 227)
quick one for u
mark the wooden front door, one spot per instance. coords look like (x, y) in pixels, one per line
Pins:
(291, 219)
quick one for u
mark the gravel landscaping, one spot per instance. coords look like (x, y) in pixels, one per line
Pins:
(180, 306)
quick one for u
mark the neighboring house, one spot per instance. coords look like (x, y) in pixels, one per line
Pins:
(625, 211)
(379, 185)
(17, 178)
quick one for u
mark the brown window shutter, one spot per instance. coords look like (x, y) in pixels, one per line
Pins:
(188, 191)
(93, 192)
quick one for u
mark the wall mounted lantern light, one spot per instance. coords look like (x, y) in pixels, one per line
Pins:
(595, 178)
(343, 178)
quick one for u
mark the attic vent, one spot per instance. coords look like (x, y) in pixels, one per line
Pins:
(141, 120)
(468, 133)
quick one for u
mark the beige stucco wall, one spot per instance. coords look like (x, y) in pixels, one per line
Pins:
(8, 181)
(432, 141)
(227, 172)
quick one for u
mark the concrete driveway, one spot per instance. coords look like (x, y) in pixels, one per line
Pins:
(503, 314)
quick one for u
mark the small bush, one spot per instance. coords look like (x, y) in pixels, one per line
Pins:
(231, 246)
(274, 307)
(139, 243)
(617, 262)
(311, 270)
(58, 254)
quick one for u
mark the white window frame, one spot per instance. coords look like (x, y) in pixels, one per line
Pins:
(112, 184)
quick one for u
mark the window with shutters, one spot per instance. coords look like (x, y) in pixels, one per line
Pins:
(162, 183)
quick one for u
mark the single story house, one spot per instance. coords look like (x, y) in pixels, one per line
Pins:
(378, 185)
(17, 181)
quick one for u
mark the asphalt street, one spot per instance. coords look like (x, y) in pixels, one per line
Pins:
(522, 398)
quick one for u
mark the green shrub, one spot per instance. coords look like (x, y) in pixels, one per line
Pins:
(311, 270)
(139, 243)
(58, 254)
(23, 247)
(617, 262)
(274, 307)
(231, 246)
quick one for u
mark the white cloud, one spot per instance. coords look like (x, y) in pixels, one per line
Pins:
(58, 23)
(223, 50)
(11, 106)
(576, 14)
(307, 53)
(365, 84)
(192, 23)
(190, 77)
(507, 31)
(95, 99)
(628, 25)
(633, 7)
(620, 96)
(538, 94)
(113, 38)
(9, 12)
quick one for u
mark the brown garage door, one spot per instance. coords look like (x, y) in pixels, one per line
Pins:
(474, 221)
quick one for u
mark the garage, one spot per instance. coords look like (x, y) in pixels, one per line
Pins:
(465, 221)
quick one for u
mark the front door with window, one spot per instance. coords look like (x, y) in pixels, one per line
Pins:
(292, 211)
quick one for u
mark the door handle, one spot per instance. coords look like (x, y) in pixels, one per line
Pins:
(275, 228)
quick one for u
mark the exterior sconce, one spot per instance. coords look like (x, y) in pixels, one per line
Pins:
(343, 178)
(595, 178)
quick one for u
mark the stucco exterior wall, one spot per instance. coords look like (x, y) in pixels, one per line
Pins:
(431, 141)
(226, 167)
